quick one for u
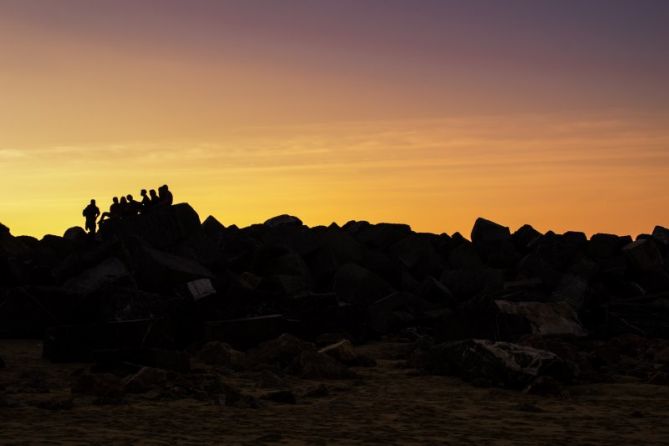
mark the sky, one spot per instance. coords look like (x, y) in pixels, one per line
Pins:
(426, 112)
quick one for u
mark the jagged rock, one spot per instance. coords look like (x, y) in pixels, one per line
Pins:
(432, 290)
(382, 235)
(643, 255)
(495, 363)
(146, 379)
(416, 252)
(214, 229)
(280, 352)
(25, 312)
(465, 256)
(356, 284)
(603, 246)
(283, 220)
(545, 318)
(221, 354)
(246, 332)
(343, 352)
(395, 311)
(465, 283)
(485, 231)
(661, 234)
(160, 270)
(297, 357)
(524, 236)
(110, 271)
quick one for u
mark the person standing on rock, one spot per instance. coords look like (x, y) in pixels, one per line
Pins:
(146, 201)
(91, 212)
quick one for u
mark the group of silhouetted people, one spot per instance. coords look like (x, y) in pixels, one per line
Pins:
(127, 206)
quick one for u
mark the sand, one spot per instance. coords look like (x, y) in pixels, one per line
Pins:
(388, 405)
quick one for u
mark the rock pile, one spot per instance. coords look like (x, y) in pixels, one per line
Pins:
(149, 285)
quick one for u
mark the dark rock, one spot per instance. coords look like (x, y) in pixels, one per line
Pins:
(297, 357)
(382, 235)
(2, 363)
(246, 332)
(75, 234)
(524, 236)
(545, 318)
(395, 311)
(356, 284)
(319, 391)
(643, 255)
(160, 270)
(485, 231)
(465, 256)
(432, 290)
(495, 363)
(280, 396)
(221, 354)
(343, 352)
(466, 284)
(283, 220)
(603, 246)
(108, 272)
(661, 234)
(416, 252)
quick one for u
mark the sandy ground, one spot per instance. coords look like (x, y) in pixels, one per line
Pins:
(388, 405)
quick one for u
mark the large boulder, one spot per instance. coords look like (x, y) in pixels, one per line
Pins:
(159, 270)
(485, 231)
(162, 227)
(643, 255)
(356, 284)
(495, 363)
(382, 235)
(545, 318)
(604, 246)
(108, 272)
(283, 220)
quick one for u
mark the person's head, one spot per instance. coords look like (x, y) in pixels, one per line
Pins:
(153, 193)
(115, 199)
(93, 201)
(129, 197)
(143, 193)
(123, 200)
(164, 187)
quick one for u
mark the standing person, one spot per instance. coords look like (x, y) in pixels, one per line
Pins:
(91, 212)
(146, 201)
(154, 197)
(166, 197)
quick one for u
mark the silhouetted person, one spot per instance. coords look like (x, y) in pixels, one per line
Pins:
(146, 201)
(114, 210)
(123, 207)
(91, 212)
(154, 197)
(165, 195)
(134, 206)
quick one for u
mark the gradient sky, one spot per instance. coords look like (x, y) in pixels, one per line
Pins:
(429, 112)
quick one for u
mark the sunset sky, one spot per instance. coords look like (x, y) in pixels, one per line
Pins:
(427, 112)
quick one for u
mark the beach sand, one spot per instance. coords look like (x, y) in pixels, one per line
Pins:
(389, 404)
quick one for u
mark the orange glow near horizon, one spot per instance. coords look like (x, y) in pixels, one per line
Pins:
(336, 111)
